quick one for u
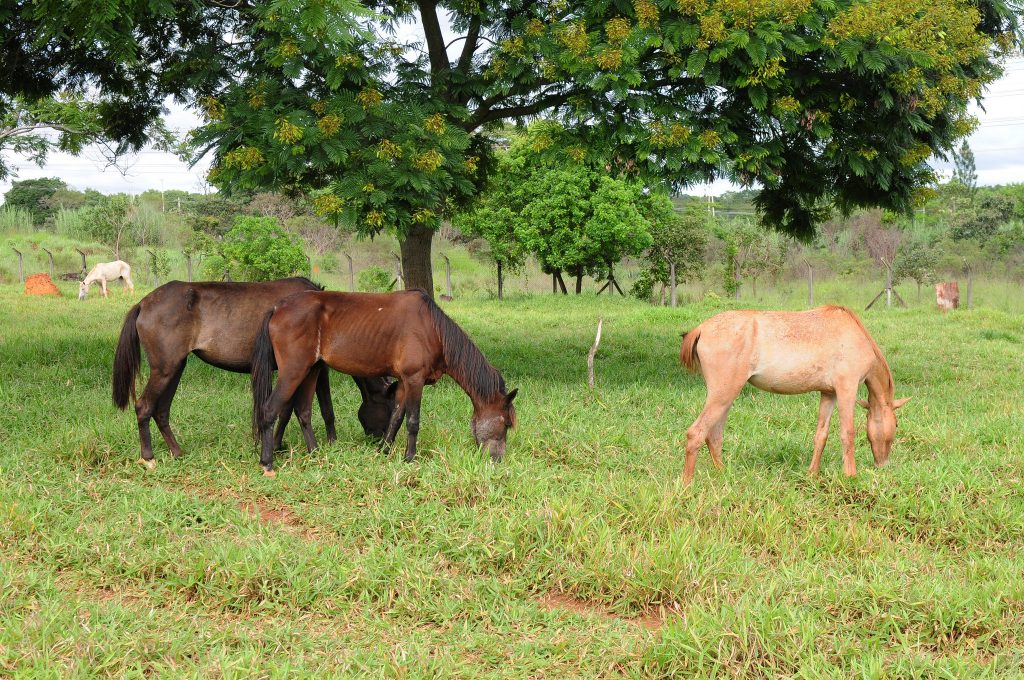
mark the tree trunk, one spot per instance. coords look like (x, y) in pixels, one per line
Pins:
(736, 278)
(579, 280)
(561, 282)
(500, 282)
(416, 259)
(554, 284)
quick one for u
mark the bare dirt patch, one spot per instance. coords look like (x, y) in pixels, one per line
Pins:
(650, 620)
(280, 515)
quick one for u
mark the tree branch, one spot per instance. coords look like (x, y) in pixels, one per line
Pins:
(538, 105)
(435, 40)
(472, 40)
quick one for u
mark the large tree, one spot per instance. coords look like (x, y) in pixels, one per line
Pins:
(818, 101)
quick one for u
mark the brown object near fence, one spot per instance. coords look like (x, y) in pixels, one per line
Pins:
(40, 284)
(947, 295)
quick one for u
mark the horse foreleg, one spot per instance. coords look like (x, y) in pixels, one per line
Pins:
(162, 414)
(846, 399)
(103, 287)
(825, 409)
(413, 396)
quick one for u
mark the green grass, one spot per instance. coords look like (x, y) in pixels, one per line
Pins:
(579, 556)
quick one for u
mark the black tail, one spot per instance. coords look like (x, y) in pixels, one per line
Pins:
(262, 373)
(127, 359)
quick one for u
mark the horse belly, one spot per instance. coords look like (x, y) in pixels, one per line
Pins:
(793, 379)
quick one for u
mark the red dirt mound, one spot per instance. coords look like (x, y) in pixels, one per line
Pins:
(40, 284)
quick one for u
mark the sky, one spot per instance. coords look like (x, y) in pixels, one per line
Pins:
(998, 146)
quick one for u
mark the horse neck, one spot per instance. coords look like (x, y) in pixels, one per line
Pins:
(468, 367)
(879, 383)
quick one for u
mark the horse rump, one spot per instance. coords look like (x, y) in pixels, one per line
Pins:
(127, 359)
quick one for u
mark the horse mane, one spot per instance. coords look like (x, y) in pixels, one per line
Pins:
(463, 360)
(879, 357)
(309, 281)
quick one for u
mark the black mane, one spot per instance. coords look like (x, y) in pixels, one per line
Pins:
(463, 360)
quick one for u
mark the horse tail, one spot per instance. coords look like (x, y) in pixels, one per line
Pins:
(127, 359)
(688, 352)
(262, 373)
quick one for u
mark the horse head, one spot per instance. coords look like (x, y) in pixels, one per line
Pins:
(83, 288)
(882, 427)
(491, 422)
(379, 395)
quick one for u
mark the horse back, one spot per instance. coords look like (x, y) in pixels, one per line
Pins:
(218, 321)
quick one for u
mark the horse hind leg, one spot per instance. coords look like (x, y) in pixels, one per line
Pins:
(303, 405)
(289, 380)
(162, 413)
(825, 409)
(709, 427)
(160, 377)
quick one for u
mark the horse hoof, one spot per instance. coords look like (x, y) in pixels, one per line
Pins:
(270, 473)
(148, 464)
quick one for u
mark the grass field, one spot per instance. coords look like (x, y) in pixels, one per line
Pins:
(580, 556)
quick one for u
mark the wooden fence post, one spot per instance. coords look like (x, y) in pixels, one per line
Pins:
(188, 267)
(84, 270)
(351, 273)
(500, 283)
(672, 281)
(448, 276)
(21, 265)
(50, 255)
(970, 283)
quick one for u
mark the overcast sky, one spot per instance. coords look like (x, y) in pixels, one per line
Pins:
(998, 146)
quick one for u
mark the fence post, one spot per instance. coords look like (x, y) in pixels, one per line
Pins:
(152, 267)
(447, 276)
(50, 255)
(672, 277)
(351, 273)
(188, 267)
(970, 283)
(83, 261)
(21, 264)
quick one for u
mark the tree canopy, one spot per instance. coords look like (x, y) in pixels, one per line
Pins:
(820, 102)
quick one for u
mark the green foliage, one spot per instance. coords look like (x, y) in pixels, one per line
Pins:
(15, 220)
(160, 264)
(375, 279)
(259, 249)
(113, 224)
(981, 221)
(32, 195)
(916, 261)
(964, 172)
(681, 238)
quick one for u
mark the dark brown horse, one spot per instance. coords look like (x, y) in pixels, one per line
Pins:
(217, 322)
(402, 334)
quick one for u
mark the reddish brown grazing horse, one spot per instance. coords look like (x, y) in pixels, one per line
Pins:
(401, 334)
(218, 323)
(825, 350)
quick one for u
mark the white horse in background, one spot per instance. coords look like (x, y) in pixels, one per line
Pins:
(107, 271)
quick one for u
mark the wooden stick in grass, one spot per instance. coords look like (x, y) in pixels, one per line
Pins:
(590, 356)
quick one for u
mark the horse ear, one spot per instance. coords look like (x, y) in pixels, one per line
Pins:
(511, 395)
(900, 402)
(863, 403)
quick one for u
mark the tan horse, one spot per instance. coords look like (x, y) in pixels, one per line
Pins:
(825, 350)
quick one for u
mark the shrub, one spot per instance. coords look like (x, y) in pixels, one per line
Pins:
(258, 249)
(375, 279)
